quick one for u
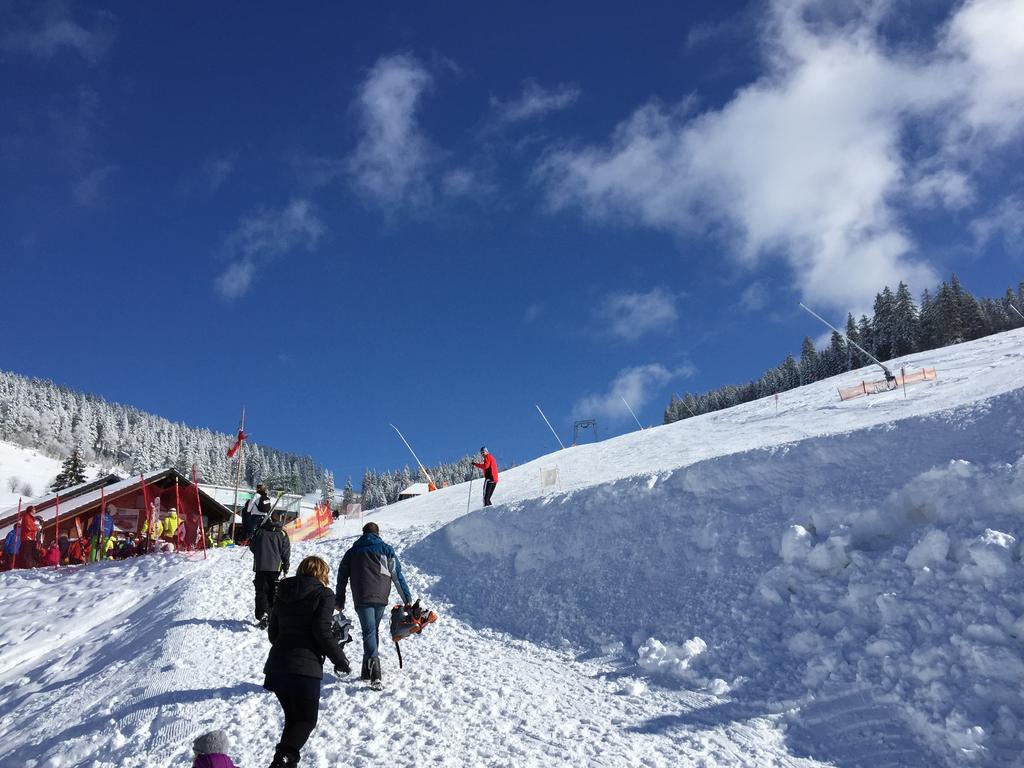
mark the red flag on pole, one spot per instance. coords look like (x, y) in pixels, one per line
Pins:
(238, 444)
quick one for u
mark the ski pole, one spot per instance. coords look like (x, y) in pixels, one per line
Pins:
(470, 499)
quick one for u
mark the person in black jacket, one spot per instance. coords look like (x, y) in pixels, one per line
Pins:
(300, 634)
(255, 512)
(271, 550)
(371, 566)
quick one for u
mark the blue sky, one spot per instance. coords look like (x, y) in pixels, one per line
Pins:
(440, 216)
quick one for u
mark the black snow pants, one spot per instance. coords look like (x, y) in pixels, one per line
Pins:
(300, 699)
(489, 486)
(266, 587)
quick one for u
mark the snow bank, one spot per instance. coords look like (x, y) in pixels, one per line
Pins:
(886, 558)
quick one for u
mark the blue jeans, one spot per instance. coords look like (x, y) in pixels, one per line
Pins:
(369, 620)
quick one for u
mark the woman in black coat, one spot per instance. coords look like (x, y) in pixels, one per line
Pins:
(300, 634)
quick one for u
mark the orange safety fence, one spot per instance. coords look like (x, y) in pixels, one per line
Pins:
(313, 526)
(874, 387)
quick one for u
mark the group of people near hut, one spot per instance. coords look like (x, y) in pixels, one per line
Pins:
(27, 546)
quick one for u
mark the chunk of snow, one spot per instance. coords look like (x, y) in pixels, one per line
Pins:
(932, 548)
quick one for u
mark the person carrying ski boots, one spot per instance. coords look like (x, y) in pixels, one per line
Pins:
(490, 468)
(371, 566)
(256, 511)
(301, 639)
(271, 551)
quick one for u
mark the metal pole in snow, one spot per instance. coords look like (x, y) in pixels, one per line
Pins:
(875, 360)
(631, 413)
(102, 554)
(903, 373)
(56, 533)
(238, 480)
(422, 468)
(685, 404)
(199, 506)
(149, 515)
(17, 538)
(550, 427)
(470, 499)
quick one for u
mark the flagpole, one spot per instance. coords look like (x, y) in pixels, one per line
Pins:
(238, 480)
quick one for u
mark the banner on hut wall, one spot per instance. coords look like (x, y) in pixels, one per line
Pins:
(312, 526)
(126, 519)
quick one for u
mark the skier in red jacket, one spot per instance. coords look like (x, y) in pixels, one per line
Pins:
(490, 468)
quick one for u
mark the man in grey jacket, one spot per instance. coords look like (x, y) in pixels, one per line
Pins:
(372, 567)
(271, 549)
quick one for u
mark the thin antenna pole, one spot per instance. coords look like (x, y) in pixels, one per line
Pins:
(420, 463)
(631, 413)
(550, 427)
(1016, 310)
(888, 373)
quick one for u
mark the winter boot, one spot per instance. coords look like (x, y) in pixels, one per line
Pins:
(375, 682)
(365, 673)
(284, 757)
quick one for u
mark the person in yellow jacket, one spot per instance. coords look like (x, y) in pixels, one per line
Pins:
(171, 523)
(108, 549)
(158, 528)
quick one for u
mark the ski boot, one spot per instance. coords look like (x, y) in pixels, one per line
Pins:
(376, 684)
(284, 757)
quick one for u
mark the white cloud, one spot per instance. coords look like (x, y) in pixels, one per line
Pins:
(390, 164)
(236, 280)
(89, 188)
(263, 237)
(534, 102)
(55, 31)
(632, 315)
(216, 170)
(810, 162)
(637, 385)
(754, 297)
(1005, 224)
(532, 312)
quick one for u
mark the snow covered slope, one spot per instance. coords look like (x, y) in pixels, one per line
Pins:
(29, 471)
(837, 584)
(867, 547)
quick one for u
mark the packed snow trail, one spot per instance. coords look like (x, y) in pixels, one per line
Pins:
(719, 592)
(145, 675)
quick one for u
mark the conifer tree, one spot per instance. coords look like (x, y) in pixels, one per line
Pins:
(904, 326)
(72, 472)
(928, 325)
(328, 487)
(882, 324)
(808, 361)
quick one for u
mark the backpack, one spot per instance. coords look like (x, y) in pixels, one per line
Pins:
(409, 621)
